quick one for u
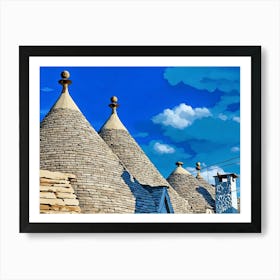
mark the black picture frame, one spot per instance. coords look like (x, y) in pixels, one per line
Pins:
(254, 52)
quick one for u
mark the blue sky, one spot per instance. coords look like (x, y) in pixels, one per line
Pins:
(188, 114)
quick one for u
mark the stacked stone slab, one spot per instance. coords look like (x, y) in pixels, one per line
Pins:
(190, 188)
(57, 196)
(135, 160)
(68, 143)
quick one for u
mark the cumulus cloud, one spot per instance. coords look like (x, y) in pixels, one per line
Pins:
(163, 148)
(47, 89)
(180, 116)
(165, 162)
(207, 129)
(236, 119)
(208, 173)
(205, 78)
(234, 149)
(222, 117)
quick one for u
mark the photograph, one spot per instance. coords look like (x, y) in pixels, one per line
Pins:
(169, 143)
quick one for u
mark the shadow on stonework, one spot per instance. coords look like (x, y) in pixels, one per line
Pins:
(148, 199)
(161, 198)
(144, 202)
(207, 196)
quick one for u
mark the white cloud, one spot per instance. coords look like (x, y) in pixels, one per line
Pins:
(181, 116)
(208, 173)
(222, 117)
(236, 119)
(192, 170)
(235, 149)
(163, 148)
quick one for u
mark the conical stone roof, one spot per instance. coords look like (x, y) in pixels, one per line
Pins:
(191, 189)
(209, 190)
(134, 159)
(68, 143)
(204, 183)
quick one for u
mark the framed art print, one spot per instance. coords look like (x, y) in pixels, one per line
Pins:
(140, 138)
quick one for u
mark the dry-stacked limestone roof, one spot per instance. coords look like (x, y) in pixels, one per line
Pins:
(57, 196)
(210, 189)
(207, 190)
(68, 143)
(191, 189)
(135, 160)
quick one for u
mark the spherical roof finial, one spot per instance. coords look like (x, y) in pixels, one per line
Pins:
(65, 75)
(114, 105)
(114, 99)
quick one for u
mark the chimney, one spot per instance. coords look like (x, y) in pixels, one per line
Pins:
(226, 193)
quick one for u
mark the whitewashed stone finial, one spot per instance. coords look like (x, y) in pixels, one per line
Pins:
(114, 99)
(113, 121)
(114, 105)
(65, 101)
(180, 169)
(65, 75)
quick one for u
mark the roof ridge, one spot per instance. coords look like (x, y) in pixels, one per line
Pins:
(65, 101)
(180, 170)
(113, 122)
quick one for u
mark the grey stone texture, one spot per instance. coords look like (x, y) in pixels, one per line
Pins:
(210, 188)
(199, 196)
(133, 157)
(140, 166)
(203, 183)
(57, 196)
(68, 143)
